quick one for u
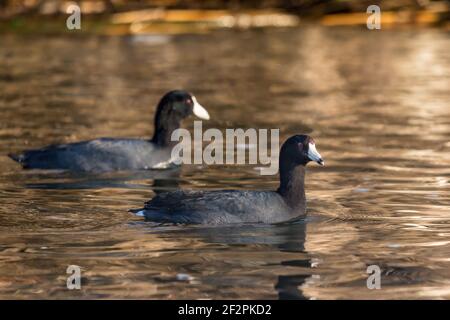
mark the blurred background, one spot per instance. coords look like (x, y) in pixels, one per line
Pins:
(124, 17)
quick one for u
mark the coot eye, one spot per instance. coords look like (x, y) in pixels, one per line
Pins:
(189, 101)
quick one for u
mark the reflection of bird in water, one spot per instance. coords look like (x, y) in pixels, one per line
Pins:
(286, 237)
(166, 180)
(160, 180)
(288, 287)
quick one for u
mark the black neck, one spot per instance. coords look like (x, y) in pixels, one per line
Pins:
(292, 185)
(164, 126)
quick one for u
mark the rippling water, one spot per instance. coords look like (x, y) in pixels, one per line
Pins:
(377, 104)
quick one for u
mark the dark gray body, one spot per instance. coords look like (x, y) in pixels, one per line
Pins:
(99, 155)
(220, 207)
(235, 206)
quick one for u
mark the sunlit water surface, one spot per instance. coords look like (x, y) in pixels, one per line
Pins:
(377, 103)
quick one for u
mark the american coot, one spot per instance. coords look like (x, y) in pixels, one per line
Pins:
(236, 206)
(110, 154)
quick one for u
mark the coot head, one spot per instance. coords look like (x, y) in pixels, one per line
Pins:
(300, 149)
(179, 104)
(173, 107)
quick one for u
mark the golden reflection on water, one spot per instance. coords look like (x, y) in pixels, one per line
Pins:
(376, 103)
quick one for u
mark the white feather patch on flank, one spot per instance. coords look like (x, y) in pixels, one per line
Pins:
(140, 213)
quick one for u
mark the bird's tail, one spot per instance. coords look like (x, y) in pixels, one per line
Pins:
(17, 157)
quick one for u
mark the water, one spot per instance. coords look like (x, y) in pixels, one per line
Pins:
(377, 104)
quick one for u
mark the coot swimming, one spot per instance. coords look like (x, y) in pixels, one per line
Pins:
(237, 206)
(112, 154)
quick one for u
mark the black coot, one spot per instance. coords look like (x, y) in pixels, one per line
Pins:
(111, 154)
(236, 206)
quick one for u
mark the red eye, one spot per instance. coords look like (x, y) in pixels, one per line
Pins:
(189, 101)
